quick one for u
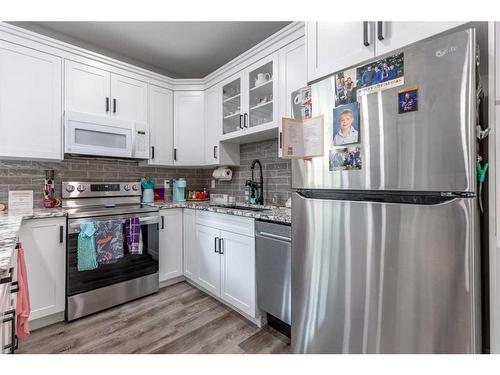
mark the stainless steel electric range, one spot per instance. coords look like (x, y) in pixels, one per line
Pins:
(127, 278)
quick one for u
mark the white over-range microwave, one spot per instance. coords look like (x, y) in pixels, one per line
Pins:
(86, 134)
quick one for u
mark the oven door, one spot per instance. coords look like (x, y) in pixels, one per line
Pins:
(130, 266)
(97, 135)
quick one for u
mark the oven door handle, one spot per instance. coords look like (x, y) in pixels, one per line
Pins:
(75, 227)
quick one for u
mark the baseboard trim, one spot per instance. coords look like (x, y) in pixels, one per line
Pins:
(46, 321)
(173, 281)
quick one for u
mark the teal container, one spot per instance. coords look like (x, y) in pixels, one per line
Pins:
(178, 193)
(148, 196)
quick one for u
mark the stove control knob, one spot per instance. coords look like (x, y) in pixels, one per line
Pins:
(126, 187)
(70, 188)
(80, 188)
(135, 187)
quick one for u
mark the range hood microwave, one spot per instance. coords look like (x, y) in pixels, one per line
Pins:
(86, 134)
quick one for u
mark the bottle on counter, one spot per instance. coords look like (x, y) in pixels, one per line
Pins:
(246, 199)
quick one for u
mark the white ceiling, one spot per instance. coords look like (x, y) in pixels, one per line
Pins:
(178, 49)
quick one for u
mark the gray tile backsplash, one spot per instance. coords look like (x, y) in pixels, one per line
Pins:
(277, 173)
(30, 175)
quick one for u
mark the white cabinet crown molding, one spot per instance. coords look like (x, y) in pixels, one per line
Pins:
(31, 39)
(65, 50)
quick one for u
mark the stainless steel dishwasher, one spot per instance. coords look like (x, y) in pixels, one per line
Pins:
(273, 268)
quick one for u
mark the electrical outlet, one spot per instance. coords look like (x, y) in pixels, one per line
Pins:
(213, 184)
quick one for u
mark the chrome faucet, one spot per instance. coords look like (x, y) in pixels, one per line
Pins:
(257, 187)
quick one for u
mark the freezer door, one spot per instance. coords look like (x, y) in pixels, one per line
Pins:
(431, 149)
(384, 278)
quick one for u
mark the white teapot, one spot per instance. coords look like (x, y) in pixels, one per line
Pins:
(262, 78)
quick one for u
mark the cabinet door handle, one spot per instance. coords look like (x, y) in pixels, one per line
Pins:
(12, 320)
(380, 30)
(215, 152)
(61, 234)
(14, 287)
(114, 105)
(366, 43)
(281, 140)
(152, 152)
(241, 120)
(8, 279)
(175, 154)
(245, 120)
(107, 104)
(220, 246)
(216, 240)
(163, 222)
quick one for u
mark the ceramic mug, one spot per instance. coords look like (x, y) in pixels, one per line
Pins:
(262, 78)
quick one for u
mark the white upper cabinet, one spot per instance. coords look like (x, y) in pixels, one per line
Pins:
(30, 103)
(332, 46)
(170, 256)
(233, 102)
(217, 152)
(213, 124)
(99, 92)
(87, 89)
(394, 35)
(292, 69)
(129, 99)
(189, 128)
(161, 125)
(250, 107)
(262, 105)
(44, 243)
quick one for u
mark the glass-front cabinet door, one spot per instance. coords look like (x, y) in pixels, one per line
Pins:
(232, 113)
(250, 99)
(262, 93)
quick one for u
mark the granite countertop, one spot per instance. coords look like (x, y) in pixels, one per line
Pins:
(271, 213)
(10, 224)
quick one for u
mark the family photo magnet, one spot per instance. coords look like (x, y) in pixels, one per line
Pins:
(346, 124)
(380, 75)
(345, 87)
(408, 100)
(345, 159)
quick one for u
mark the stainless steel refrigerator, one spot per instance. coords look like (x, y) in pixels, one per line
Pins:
(385, 255)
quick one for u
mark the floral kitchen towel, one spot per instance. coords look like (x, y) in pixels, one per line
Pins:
(109, 241)
(132, 234)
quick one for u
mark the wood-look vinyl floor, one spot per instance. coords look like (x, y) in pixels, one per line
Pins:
(179, 319)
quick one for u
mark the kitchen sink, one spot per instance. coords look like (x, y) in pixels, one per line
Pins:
(240, 207)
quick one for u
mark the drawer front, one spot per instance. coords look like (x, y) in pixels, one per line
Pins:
(227, 222)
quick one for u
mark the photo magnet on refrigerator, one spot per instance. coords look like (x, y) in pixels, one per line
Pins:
(345, 159)
(408, 100)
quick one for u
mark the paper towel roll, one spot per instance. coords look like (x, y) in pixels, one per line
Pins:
(223, 174)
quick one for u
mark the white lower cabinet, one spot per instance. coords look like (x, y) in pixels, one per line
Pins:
(208, 258)
(238, 271)
(170, 256)
(226, 259)
(44, 243)
(190, 250)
